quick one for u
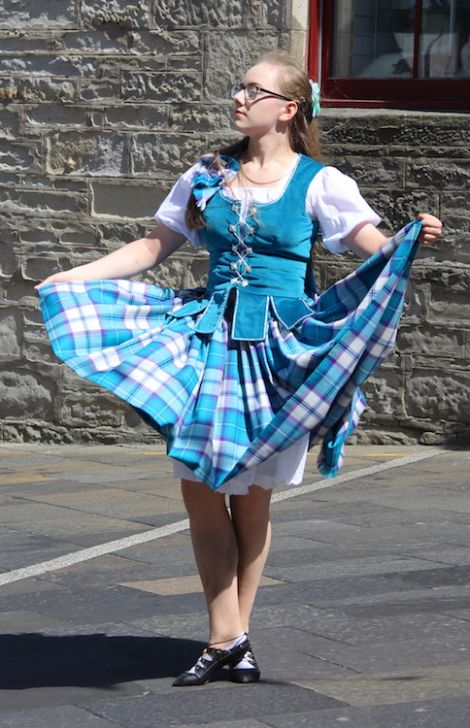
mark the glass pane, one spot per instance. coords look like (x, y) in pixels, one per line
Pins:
(371, 38)
(445, 39)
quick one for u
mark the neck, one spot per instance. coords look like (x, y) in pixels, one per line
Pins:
(269, 150)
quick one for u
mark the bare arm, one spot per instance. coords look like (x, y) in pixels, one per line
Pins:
(128, 261)
(365, 239)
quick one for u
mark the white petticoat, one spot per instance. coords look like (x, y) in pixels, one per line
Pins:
(283, 468)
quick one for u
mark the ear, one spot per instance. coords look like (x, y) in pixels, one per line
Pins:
(289, 111)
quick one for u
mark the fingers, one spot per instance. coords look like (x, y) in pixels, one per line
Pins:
(54, 278)
(431, 229)
(50, 279)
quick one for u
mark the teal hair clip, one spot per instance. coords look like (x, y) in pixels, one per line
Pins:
(315, 87)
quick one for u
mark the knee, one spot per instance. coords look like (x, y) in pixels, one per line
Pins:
(253, 509)
(202, 504)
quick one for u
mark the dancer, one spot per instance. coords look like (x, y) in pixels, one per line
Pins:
(243, 376)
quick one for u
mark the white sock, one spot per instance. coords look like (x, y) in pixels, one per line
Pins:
(208, 657)
(246, 662)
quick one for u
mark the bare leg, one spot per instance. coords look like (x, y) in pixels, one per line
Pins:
(250, 518)
(216, 553)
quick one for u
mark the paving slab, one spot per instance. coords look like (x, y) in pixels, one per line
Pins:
(416, 714)
(66, 716)
(362, 618)
(217, 701)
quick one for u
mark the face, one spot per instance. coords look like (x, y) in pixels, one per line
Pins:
(262, 114)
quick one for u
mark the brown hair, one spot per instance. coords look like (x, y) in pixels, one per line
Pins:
(303, 130)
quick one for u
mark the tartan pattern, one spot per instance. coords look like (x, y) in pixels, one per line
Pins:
(223, 405)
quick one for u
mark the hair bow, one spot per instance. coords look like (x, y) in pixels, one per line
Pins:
(211, 177)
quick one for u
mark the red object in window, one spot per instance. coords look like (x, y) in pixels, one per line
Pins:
(412, 93)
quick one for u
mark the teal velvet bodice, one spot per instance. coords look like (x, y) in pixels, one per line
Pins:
(262, 262)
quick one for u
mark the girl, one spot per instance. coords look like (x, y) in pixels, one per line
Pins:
(243, 376)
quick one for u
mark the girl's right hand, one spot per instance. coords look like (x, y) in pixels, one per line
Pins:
(65, 276)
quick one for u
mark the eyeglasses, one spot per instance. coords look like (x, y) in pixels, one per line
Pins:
(252, 91)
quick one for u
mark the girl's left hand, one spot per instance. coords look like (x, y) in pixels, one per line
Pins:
(431, 230)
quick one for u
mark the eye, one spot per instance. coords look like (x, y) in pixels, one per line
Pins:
(251, 90)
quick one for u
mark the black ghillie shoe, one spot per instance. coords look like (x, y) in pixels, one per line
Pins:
(205, 668)
(246, 670)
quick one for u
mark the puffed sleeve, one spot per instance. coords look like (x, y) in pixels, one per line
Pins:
(334, 200)
(173, 208)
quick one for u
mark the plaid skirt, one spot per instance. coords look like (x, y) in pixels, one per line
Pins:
(225, 406)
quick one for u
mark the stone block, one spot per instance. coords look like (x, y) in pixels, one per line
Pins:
(165, 154)
(417, 299)
(197, 273)
(90, 153)
(52, 183)
(144, 63)
(26, 394)
(100, 89)
(16, 157)
(230, 54)
(432, 131)
(449, 301)
(10, 334)
(37, 89)
(36, 268)
(39, 203)
(171, 273)
(334, 152)
(41, 15)
(363, 127)
(125, 200)
(454, 207)
(35, 351)
(7, 179)
(55, 115)
(434, 340)
(396, 208)
(165, 42)
(240, 14)
(10, 42)
(112, 235)
(161, 86)
(115, 40)
(384, 392)
(36, 344)
(438, 173)
(50, 65)
(439, 394)
(431, 153)
(8, 259)
(17, 292)
(149, 118)
(114, 14)
(382, 172)
(200, 117)
(184, 13)
(81, 409)
(9, 122)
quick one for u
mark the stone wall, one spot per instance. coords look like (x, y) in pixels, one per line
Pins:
(104, 103)
(405, 163)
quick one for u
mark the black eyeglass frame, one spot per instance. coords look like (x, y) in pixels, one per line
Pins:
(237, 87)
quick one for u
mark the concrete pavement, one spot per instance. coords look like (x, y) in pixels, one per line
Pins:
(362, 619)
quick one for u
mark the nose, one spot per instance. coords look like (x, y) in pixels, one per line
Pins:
(239, 97)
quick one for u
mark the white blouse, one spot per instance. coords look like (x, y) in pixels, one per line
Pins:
(333, 199)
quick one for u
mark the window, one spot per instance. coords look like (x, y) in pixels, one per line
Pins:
(400, 53)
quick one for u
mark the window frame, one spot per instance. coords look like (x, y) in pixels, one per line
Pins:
(397, 93)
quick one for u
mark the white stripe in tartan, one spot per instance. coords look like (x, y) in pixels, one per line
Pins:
(226, 405)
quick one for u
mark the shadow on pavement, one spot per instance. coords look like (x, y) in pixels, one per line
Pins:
(94, 660)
